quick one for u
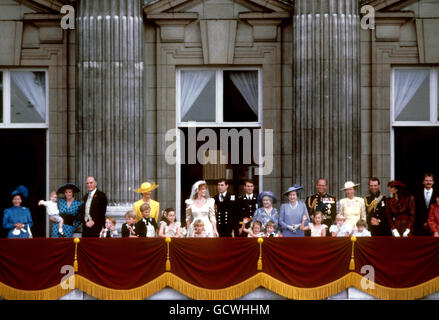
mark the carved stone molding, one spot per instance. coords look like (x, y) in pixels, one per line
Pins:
(172, 24)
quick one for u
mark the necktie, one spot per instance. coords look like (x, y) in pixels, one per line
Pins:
(221, 197)
(108, 234)
(427, 198)
(88, 205)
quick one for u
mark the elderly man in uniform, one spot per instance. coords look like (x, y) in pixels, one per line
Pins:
(376, 210)
(322, 201)
(225, 204)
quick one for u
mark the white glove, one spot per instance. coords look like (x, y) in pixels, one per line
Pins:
(395, 233)
(406, 233)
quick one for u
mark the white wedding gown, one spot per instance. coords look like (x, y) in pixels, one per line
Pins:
(205, 213)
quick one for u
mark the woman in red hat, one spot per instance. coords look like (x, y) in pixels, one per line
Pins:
(400, 209)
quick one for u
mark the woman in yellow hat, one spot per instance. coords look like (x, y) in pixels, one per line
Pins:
(145, 189)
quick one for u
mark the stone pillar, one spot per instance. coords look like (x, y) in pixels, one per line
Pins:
(110, 90)
(326, 108)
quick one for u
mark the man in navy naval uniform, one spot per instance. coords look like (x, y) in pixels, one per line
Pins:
(225, 204)
(324, 202)
(377, 222)
(246, 207)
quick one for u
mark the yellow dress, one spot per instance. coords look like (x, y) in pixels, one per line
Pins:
(352, 210)
(155, 209)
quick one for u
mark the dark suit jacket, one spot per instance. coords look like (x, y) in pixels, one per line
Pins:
(225, 214)
(98, 208)
(422, 212)
(244, 208)
(141, 227)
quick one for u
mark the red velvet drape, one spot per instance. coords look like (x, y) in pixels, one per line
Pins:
(399, 262)
(121, 263)
(306, 262)
(34, 264)
(214, 263)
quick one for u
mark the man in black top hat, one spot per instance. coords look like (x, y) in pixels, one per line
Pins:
(322, 201)
(225, 204)
(376, 210)
(246, 206)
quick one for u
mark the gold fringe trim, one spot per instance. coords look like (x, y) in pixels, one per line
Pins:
(52, 293)
(105, 293)
(198, 293)
(296, 293)
(387, 293)
(234, 292)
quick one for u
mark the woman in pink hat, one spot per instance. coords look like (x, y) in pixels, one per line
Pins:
(352, 208)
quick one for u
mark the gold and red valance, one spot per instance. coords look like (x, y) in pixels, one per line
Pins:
(218, 269)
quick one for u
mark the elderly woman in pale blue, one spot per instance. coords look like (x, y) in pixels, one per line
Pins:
(266, 212)
(291, 213)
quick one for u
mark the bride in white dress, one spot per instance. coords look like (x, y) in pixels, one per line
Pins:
(201, 206)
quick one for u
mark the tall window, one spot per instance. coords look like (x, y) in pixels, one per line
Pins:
(24, 99)
(218, 96)
(220, 101)
(415, 96)
(415, 123)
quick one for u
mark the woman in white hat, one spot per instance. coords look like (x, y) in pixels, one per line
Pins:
(352, 208)
(146, 190)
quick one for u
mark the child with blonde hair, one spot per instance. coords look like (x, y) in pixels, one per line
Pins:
(52, 210)
(129, 227)
(339, 228)
(198, 230)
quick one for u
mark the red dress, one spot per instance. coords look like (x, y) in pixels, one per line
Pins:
(433, 218)
(401, 213)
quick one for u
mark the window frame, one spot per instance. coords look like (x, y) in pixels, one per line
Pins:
(219, 90)
(434, 98)
(7, 124)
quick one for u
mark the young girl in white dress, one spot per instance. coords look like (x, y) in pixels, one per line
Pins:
(317, 228)
(169, 227)
(201, 206)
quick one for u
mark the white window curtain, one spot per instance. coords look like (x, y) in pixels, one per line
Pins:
(192, 84)
(407, 83)
(247, 84)
(33, 89)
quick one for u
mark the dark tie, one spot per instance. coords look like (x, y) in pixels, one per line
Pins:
(108, 234)
(221, 197)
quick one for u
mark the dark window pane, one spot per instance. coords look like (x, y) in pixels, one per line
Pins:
(241, 96)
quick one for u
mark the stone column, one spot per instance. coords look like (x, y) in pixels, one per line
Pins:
(326, 117)
(110, 90)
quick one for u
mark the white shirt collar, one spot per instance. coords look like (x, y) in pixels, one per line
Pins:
(249, 196)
